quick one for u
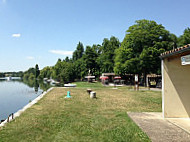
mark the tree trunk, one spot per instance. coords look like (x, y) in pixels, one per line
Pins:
(144, 80)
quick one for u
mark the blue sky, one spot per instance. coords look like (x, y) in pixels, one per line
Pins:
(41, 31)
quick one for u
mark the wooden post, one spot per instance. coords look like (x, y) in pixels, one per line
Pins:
(147, 82)
(12, 116)
(88, 91)
(92, 95)
(8, 119)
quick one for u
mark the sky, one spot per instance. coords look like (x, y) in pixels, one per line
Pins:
(41, 31)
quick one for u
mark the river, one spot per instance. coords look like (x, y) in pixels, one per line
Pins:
(14, 95)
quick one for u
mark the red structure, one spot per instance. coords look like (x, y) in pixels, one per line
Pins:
(104, 79)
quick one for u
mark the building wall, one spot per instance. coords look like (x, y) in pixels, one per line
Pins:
(176, 91)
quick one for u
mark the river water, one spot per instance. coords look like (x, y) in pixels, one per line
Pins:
(14, 95)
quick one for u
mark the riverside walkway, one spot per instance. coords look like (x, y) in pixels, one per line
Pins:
(159, 129)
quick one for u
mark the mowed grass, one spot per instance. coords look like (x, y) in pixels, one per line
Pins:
(89, 85)
(81, 119)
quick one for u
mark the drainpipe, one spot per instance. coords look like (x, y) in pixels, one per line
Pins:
(163, 106)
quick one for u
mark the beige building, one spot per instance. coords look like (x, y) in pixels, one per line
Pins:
(176, 83)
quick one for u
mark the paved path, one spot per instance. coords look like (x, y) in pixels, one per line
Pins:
(183, 123)
(159, 129)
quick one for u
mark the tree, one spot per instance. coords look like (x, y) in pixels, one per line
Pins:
(79, 69)
(67, 59)
(96, 50)
(29, 74)
(57, 70)
(63, 71)
(2, 74)
(185, 38)
(141, 47)
(67, 72)
(37, 71)
(45, 73)
(107, 54)
(89, 59)
(78, 53)
(174, 39)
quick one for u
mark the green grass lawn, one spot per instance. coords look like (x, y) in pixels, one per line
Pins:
(89, 85)
(80, 118)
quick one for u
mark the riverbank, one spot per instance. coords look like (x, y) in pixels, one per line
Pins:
(19, 112)
(14, 95)
(80, 118)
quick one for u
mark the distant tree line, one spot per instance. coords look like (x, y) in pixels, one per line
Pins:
(31, 73)
(13, 74)
(96, 59)
(138, 53)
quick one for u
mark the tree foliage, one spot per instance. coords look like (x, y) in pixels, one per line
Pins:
(37, 71)
(46, 72)
(141, 47)
(107, 50)
(29, 74)
(185, 38)
(90, 57)
(63, 71)
(78, 53)
(137, 54)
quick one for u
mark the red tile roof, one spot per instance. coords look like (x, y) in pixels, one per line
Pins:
(175, 51)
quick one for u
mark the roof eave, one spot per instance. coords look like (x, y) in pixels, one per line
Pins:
(174, 53)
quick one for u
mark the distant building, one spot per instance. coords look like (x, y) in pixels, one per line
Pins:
(176, 83)
(110, 76)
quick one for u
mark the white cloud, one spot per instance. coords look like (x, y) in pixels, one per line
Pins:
(16, 35)
(30, 58)
(61, 52)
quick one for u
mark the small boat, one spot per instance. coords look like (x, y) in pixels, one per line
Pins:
(70, 85)
(54, 82)
(49, 80)
(45, 79)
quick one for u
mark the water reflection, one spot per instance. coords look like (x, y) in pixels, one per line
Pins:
(16, 93)
(36, 84)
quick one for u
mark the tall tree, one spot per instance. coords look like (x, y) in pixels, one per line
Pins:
(141, 47)
(78, 53)
(90, 57)
(185, 38)
(78, 70)
(96, 50)
(107, 50)
(37, 71)
(57, 70)
(67, 74)
(67, 59)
